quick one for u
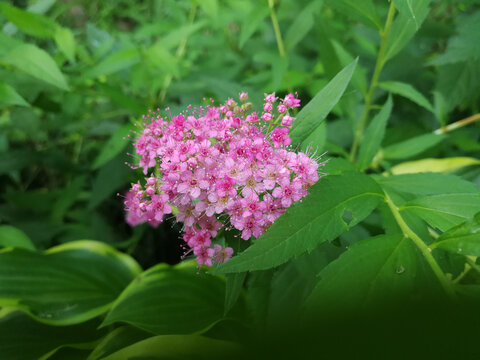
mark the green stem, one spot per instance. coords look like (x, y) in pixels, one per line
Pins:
(276, 28)
(426, 252)
(180, 52)
(374, 82)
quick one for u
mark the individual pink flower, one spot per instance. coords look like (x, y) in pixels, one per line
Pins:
(291, 101)
(280, 136)
(221, 254)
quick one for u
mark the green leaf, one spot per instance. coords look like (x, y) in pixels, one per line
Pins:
(28, 22)
(411, 147)
(426, 184)
(66, 284)
(113, 146)
(233, 289)
(318, 108)
(8, 96)
(118, 339)
(374, 135)
(65, 42)
(302, 24)
(405, 7)
(252, 22)
(178, 347)
(407, 91)
(334, 204)
(170, 300)
(446, 210)
(370, 272)
(316, 140)
(120, 60)
(359, 77)
(11, 236)
(365, 9)
(405, 26)
(463, 239)
(159, 57)
(37, 63)
(463, 46)
(210, 7)
(23, 338)
(434, 165)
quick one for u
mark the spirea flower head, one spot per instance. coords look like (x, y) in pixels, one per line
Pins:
(221, 167)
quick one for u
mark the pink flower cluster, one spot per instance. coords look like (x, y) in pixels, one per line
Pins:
(220, 167)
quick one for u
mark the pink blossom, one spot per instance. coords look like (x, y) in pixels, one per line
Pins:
(291, 101)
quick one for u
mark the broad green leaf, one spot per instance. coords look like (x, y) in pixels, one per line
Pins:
(170, 300)
(446, 210)
(407, 91)
(463, 239)
(434, 165)
(28, 22)
(334, 204)
(113, 146)
(8, 96)
(178, 347)
(251, 23)
(66, 284)
(427, 184)
(233, 289)
(315, 142)
(381, 269)
(365, 9)
(118, 339)
(120, 60)
(210, 7)
(23, 338)
(318, 108)
(302, 24)
(37, 63)
(406, 8)
(463, 46)
(374, 135)
(336, 166)
(411, 147)
(405, 26)
(11, 236)
(65, 42)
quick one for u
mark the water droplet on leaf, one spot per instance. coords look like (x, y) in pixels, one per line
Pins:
(400, 270)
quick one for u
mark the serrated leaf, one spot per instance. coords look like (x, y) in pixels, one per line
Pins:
(318, 108)
(170, 300)
(407, 91)
(411, 147)
(446, 210)
(434, 165)
(11, 236)
(427, 184)
(306, 225)
(404, 28)
(463, 239)
(8, 96)
(30, 23)
(374, 135)
(66, 284)
(370, 272)
(37, 63)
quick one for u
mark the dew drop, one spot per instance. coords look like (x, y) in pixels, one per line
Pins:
(460, 250)
(400, 270)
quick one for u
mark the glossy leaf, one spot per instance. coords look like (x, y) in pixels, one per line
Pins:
(427, 184)
(434, 165)
(177, 347)
(8, 96)
(446, 210)
(463, 239)
(23, 338)
(407, 91)
(372, 271)
(374, 135)
(11, 236)
(37, 63)
(66, 284)
(318, 108)
(319, 218)
(411, 147)
(170, 300)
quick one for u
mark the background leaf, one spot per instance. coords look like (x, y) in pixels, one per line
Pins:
(11, 236)
(8, 96)
(463, 239)
(407, 91)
